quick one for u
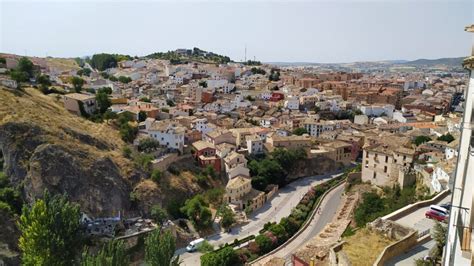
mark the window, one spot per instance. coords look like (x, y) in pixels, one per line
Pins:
(386, 159)
(385, 169)
(366, 155)
(375, 175)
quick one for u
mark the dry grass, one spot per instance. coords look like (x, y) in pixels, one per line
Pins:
(63, 64)
(48, 113)
(365, 246)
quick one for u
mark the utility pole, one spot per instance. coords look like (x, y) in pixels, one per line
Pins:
(245, 57)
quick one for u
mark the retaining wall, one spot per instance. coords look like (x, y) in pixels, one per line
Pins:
(397, 248)
(415, 206)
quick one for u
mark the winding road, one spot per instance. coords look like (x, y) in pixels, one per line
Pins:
(278, 207)
(328, 207)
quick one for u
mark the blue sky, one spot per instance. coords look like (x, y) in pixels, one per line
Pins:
(289, 31)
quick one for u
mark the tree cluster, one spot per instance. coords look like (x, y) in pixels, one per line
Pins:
(50, 231)
(257, 70)
(24, 71)
(274, 169)
(420, 140)
(103, 61)
(446, 138)
(197, 211)
(274, 75)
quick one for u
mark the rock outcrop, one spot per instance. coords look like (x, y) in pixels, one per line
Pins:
(95, 183)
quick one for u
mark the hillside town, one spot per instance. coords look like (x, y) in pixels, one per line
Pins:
(236, 133)
(229, 122)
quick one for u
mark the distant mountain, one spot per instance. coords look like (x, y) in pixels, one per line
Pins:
(456, 61)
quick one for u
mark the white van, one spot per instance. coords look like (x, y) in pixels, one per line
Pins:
(193, 245)
(439, 209)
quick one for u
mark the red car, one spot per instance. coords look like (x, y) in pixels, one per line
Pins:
(430, 214)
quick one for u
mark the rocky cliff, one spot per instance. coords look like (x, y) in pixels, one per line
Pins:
(45, 147)
(313, 166)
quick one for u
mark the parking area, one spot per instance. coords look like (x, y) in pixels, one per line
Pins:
(417, 219)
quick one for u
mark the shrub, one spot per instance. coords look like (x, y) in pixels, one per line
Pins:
(158, 214)
(144, 161)
(126, 151)
(173, 169)
(224, 257)
(156, 175)
(205, 247)
(264, 244)
(214, 195)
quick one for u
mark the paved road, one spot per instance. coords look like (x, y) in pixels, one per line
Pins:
(408, 259)
(278, 207)
(417, 219)
(329, 207)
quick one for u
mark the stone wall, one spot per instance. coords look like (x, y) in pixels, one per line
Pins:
(415, 206)
(162, 163)
(397, 248)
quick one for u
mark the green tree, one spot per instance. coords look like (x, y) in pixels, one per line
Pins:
(107, 90)
(224, 257)
(300, 131)
(290, 224)
(142, 116)
(228, 217)
(43, 80)
(12, 197)
(158, 214)
(77, 83)
(196, 209)
(103, 101)
(18, 76)
(103, 61)
(124, 79)
(264, 243)
(370, 208)
(160, 248)
(205, 247)
(279, 231)
(203, 84)
(439, 235)
(148, 145)
(24, 70)
(446, 137)
(128, 132)
(50, 231)
(25, 65)
(170, 103)
(112, 254)
(108, 115)
(145, 99)
(421, 139)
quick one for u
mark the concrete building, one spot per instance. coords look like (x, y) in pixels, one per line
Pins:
(254, 144)
(458, 250)
(74, 102)
(167, 133)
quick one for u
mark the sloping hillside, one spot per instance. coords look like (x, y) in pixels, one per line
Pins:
(45, 147)
(456, 61)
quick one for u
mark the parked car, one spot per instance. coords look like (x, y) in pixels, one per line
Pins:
(439, 209)
(431, 214)
(193, 245)
(447, 206)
